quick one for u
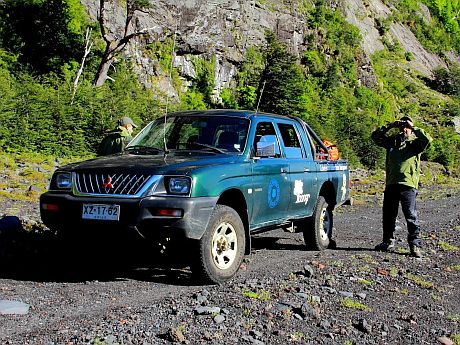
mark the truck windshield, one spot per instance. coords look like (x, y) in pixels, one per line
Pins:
(218, 134)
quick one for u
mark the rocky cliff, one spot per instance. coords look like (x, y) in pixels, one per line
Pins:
(224, 29)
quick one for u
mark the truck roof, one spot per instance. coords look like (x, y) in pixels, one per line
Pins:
(228, 112)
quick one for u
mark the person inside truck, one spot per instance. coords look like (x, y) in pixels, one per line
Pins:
(116, 140)
(402, 167)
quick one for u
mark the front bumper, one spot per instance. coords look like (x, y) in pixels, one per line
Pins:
(138, 214)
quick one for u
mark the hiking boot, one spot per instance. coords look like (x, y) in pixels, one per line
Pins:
(385, 246)
(415, 252)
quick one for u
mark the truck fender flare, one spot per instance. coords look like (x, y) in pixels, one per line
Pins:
(233, 197)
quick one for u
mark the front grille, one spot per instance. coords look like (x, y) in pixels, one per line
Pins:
(109, 184)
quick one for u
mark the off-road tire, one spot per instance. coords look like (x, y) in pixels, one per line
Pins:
(221, 249)
(317, 230)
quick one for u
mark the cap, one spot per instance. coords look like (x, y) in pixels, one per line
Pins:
(125, 120)
(406, 118)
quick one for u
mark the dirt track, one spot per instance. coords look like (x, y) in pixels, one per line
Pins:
(282, 293)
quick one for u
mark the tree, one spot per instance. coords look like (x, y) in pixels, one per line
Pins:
(42, 33)
(114, 44)
(447, 81)
(283, 83)
(448, 11)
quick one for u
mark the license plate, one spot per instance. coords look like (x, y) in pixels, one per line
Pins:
(101, 212)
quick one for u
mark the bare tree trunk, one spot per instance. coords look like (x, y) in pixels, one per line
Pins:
(88, 46)
(113, 45)
(104, 66)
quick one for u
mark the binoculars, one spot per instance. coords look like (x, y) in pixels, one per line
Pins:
(402, 124)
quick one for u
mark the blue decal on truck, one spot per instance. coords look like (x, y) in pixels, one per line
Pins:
(273, 193)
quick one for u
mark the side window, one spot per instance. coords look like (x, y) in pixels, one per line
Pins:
(291, 141)
(266, 142)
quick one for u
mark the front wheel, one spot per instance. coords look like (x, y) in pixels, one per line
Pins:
(221, 249)
(317, 231)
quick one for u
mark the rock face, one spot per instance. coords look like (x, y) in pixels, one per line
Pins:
(358, 15)
(456, 121)
(423, 61)
(224, 29)
(363, 14)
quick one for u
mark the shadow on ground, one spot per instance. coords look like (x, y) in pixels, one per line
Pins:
(286, 243)
(43, 257)
(45, 260)
(275, 243)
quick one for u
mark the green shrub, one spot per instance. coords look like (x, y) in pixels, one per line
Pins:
(45, 119)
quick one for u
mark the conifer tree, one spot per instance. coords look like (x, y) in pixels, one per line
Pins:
(283, 82)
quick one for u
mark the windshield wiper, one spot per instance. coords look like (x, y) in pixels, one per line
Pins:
(206, 146)
(143, 148)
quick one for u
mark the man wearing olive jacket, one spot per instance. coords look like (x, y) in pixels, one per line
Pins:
(402, 168)
(116, 140)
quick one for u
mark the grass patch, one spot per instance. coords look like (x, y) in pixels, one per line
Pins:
(453, 317)
(298, 336)
(393, 272)
(455, 338)
(18, 196)
(456, 267)
(404, 292)
(246, 312)
(292, 277)
(403, 251)
(102, 341)
(365, 269)
(25, 170)
(336, 263)
(435, 297)
(7, 162)
(367, 258)
(419, 281)
(447, 247)
(457, 228)
(261, 294)
(365, 281)
(352, 304)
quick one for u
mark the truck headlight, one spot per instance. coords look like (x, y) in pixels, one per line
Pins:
(179, 185)
(61, 181)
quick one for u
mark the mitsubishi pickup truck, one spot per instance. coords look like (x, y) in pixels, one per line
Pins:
(211, 179)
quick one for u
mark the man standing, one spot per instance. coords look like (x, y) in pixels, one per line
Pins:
(116, 140)
(402, 168)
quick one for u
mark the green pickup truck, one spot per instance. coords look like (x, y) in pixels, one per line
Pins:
(210, 179)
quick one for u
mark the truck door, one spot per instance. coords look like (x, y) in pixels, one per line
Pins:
(302, 171)
(271, 187)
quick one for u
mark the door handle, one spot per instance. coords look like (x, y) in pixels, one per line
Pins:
(306, 170)
(283, 171)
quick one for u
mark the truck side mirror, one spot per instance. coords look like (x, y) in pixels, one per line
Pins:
(267, 146)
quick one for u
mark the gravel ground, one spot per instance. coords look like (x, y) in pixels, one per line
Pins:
(109, 294)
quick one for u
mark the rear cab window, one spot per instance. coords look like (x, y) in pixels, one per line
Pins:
(291, 141)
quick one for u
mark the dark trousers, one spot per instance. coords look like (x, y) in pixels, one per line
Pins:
(395, 194)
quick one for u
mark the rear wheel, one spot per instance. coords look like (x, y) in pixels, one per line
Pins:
(221, 249)
(317, 231)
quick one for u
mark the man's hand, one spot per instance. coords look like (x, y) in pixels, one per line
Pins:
(403, 124)
(410, 124)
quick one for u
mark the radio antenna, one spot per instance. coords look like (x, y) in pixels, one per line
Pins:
(173, 51)
(260, 96)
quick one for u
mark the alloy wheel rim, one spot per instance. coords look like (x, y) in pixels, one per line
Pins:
(224, 246)
(325, 224)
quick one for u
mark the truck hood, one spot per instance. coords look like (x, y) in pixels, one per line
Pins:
(159, 164)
